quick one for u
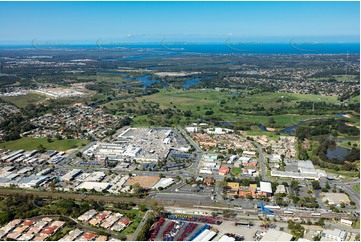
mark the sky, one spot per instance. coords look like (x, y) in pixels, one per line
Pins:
(86, 22)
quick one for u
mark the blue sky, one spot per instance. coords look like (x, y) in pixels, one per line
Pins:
(86, 22)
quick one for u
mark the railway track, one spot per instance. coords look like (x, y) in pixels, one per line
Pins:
(146, 201)
(91, 197)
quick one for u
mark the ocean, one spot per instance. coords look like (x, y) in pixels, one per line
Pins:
(216, 48)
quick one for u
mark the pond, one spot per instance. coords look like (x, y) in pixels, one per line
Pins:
(337, 152)
(340, 115)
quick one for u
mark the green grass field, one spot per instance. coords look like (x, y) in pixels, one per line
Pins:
(346, 174)
(33, 144)
(198, 101)
(346, 144)
(25, 100)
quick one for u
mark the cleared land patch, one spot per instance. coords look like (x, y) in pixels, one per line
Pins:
(24, 100)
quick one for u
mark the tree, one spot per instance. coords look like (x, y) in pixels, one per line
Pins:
(158, 209)
(271, 120)
(227, 213)
(328, 186)
(142, 207)
(41, 148)
(137, 189)
(316, 185)
(78, 154)
(295, 185)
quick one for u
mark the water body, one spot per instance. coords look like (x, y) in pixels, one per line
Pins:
(146, 81)
(263, 128)
(139, 57)
(226, 124)
(290, 129)
(110, 73)
(337, 152)
(190, 82)
(340, 115)
(222, 47)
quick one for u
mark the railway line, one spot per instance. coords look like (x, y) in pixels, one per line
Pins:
(146, 201)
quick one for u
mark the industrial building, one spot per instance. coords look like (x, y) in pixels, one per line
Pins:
(276, 235)
(163, 183)
(70, 175)
(300, 169)
(97, 186)
(335, 235)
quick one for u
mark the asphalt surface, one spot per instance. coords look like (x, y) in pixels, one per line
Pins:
(261, 160)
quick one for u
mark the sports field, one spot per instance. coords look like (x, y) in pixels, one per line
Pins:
(33, 144)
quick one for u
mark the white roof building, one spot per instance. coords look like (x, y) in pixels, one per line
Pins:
(191, 129)
(276, 235)
(244, 160)
(164, 182)
(266, 187)
(205, 171)
(249, 153)
(232, 159)
(226, 238)
(335, 235)
(132, 151)
(97, 186)
(70, 175)
(346, 222)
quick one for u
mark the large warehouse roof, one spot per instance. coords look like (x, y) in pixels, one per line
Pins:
(276, 235)
(98, 186)
(164, 182)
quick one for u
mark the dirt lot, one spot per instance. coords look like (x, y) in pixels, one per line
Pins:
(144, 181)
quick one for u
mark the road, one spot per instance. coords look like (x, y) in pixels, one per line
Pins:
(193, 168)
(140, 226)
(261, 161)
(354, 195)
